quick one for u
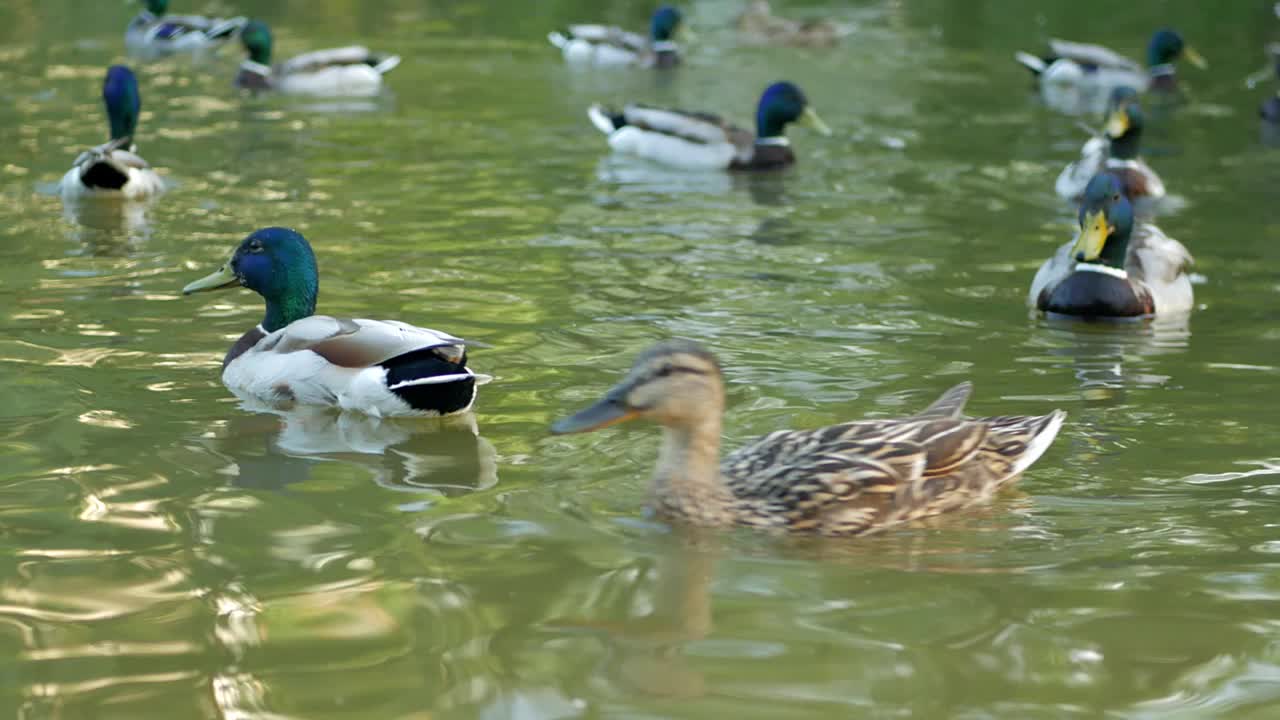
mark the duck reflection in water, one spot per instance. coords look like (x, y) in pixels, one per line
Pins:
(441, 456)
(1107, 357)
(108, 227)
(643, 654)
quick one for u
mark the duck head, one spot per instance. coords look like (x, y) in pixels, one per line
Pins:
(278, 264)
(1106, 221)
(666, 24)
(123, 102)
(782, 104)
(1167, 46)
(675, 383)
(1124, 123)
(257, 41)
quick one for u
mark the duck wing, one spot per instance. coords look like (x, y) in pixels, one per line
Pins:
(609, 35)
(357, 342)
(860, 476)
(1155, 257)
(1089, 54)
(349, 55)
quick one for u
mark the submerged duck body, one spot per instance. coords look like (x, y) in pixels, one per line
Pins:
(758, 24)
(846, 479)
(1116, 151)
(706, 141)
(351, 71)
(297, 358)
(610, 46)
(154, 33)
(1115, 268)
(114, 169)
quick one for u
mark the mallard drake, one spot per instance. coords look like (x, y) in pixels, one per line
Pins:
(297, 358)
(699, 140)
(845, 479)
(154, 33)
(1114, 150)
(612, 46)
(114, 169)
(1082, 64)
(351, 71)
(759, 24)
(1115, 268)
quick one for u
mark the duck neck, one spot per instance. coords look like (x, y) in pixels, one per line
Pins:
(1125, 147)
(288, 308)
(687, 481)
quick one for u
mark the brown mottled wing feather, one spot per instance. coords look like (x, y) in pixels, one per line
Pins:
(852, 477)
(950, 404)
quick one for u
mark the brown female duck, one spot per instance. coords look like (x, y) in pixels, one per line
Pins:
(845, 479)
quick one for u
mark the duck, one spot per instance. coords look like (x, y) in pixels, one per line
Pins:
(1115, 267)
(155, 33)
(351, 71)
(1085, 65)
(843, 480)
(114, 169)
(1269, 111)
(758, 24)
(705, 141)
(1115, 150)
(295, 358)
(609, 46)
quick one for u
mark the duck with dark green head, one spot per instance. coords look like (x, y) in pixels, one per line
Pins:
(1115, 150)
(1116, 267)
(706, 141)
(154, 33)
(351, 71)
(1094, 67)
(114, 169)
(609, 46)
(297, 358)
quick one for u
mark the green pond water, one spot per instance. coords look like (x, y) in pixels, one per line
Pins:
(165, 553)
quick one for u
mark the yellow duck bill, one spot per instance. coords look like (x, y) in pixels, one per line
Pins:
(223, 277)
(1093, 236)
(810, 119)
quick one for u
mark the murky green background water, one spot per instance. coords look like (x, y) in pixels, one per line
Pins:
(167, 554)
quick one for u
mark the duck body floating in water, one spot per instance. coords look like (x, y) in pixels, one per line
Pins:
(706, 141)
(758, 24)
(847, 479)
(1114, 150)
(297, 358)
(1077, 77)
(351, 71)
(114, 169)
(153, 33)
(610, 46)
(1115, 267)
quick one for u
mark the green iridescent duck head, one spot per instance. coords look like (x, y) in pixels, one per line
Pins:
(278, 264)
(257, 41)
(1106, 222)
(1167, 46)
(782, 104)
(123, 102)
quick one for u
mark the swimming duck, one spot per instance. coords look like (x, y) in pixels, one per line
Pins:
(297, 358)
(606, 45)
(758, 23)
(1114, 150)
(351, 71)
(114, 169)
(154, 33)
(1270, 108)
(698, 140)
(1082, 64)
(1115, 268)
(846, 479)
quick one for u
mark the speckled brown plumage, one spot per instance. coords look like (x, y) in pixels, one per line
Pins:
(845, 479)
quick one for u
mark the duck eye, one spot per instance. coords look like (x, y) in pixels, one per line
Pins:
(255, 246)
(666, 371)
